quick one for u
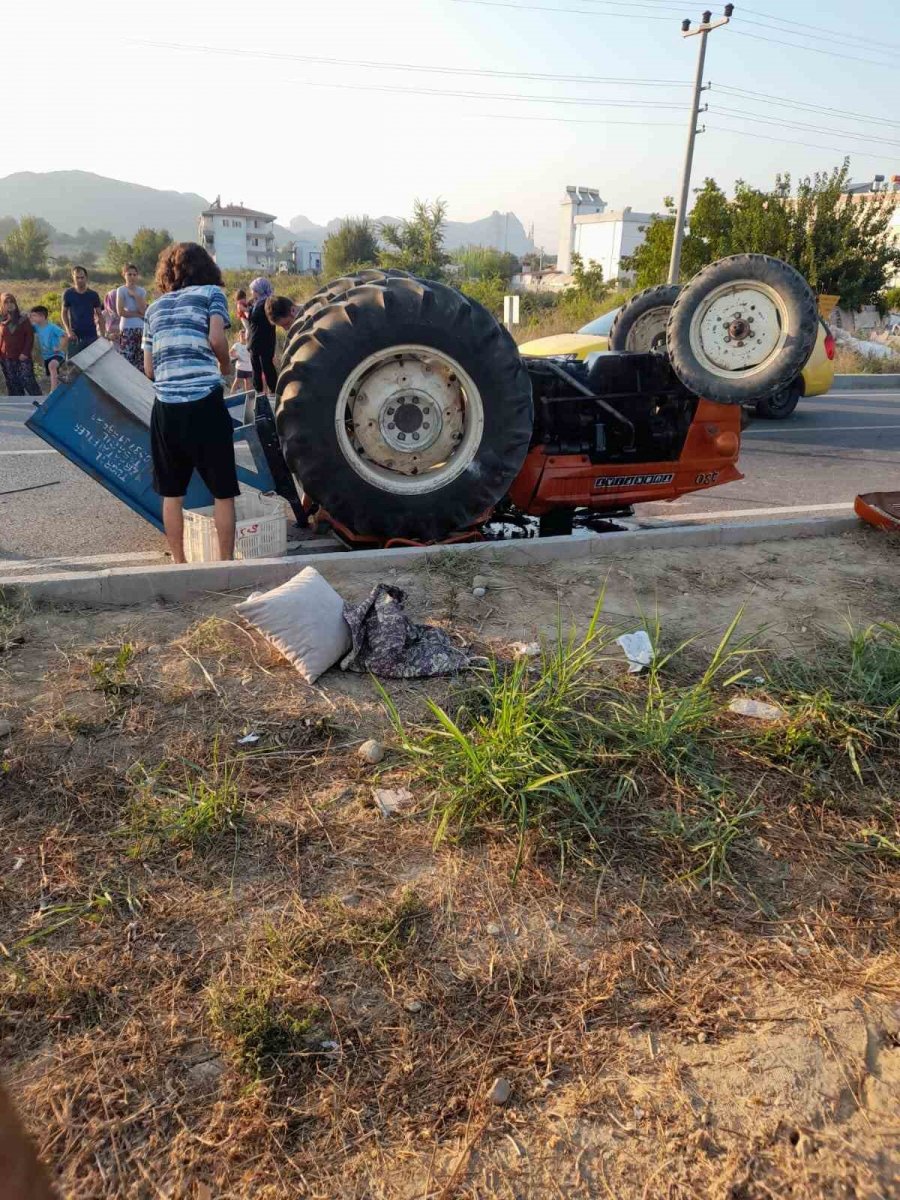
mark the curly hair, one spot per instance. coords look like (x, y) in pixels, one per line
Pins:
(185, 264)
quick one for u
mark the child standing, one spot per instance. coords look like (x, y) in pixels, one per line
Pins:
(243, 368)
(16, 345)
(52, 340)
(242, 308)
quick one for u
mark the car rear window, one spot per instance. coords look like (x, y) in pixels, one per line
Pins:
(600, 326)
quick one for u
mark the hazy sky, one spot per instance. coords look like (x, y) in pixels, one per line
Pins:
(259, 124)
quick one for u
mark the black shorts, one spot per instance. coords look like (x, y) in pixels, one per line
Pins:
(196, 436)
(57, 358)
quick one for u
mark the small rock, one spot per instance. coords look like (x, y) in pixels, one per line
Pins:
(371, 751)
(5, 728)
(205, 1074)
(501, 1090)
(702, 1037)
(391, 800)
(412, 1006)
(481, 581)
(329, 1047)
(493, 929)
(479, 592)
(351, 900)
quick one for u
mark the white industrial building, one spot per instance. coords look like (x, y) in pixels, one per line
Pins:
(238, 238)
(599, 236)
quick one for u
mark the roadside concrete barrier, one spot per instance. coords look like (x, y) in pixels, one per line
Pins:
(866, 383)
(173, 584)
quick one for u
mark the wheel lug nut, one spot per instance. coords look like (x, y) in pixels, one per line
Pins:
(391, 411)
(415, 437)
(425, 425)
(401, 437)
(392, 425)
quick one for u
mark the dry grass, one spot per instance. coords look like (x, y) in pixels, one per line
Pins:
(225, 974)
(850, 362)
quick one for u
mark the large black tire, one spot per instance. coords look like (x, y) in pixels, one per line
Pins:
(335, 288)
(782, 405)
(641, 323)
(742, 329)
(334, 343)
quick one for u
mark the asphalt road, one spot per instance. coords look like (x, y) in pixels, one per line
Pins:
(814, 463)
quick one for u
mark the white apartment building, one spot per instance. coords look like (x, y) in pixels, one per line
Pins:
(599, 236)
(238, 238)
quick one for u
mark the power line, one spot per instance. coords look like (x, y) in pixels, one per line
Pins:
(757, 120)
(584, 12)
(806, 33)
(805, 26)
(791, 142)
(374, 64)
(758, 37)
(586, 120)
(782, 101)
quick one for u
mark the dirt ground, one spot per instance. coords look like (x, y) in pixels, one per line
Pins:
(303, 998)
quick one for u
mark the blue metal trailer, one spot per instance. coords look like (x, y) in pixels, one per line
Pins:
(99, 419)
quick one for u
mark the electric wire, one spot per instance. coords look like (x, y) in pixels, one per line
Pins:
(784, 102)
(243, 52)
(753, 117)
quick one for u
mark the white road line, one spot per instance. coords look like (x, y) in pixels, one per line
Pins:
(13, 453)
(748, 513)
(820, 429)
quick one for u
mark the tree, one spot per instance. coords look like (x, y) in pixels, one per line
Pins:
(587, 281)
(484, 262)
(147, 246)
(26, 249)
(143, 251)
(117, 253)
(842, 244)
(417, 246)
(352, 246)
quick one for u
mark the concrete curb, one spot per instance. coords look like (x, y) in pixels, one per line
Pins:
(143, 585)
(866, 383)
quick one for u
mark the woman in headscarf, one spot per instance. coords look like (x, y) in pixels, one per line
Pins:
(16, 346)
(261, 342)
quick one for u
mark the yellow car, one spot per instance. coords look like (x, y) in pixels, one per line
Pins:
(815, 379)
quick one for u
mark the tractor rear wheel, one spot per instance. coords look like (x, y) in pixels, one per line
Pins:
(743, 329)
(404, 407)
(640, 326)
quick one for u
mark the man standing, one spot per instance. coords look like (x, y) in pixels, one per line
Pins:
(82, 312)
(186, 355)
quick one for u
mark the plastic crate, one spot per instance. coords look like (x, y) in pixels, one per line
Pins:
(260, 529)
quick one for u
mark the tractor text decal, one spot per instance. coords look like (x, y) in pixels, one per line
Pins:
(620, 481)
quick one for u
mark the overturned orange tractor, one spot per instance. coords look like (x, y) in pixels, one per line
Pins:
(408, 413)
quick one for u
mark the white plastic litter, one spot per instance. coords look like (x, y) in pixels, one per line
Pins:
(759, 710)
(249, 739)
(304, 620)
(391, 800)
(638, 650)
(526, 649)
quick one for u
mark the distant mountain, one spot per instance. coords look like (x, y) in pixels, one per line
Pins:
(70, 200)
(503, 231)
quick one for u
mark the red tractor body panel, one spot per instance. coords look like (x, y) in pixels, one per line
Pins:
(709, 458)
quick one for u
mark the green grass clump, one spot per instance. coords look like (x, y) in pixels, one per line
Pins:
(110, 674)
(513, 754)
(267, 1034)
(208, 803)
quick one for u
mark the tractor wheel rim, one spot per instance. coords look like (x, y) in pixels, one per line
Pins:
(739, 328)
(409, 419)
(648, 333)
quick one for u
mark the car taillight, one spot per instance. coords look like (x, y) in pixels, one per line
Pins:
(829, 345)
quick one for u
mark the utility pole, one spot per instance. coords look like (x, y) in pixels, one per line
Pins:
(706, 26)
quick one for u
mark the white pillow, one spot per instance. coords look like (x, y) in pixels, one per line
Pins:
(304, 620)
